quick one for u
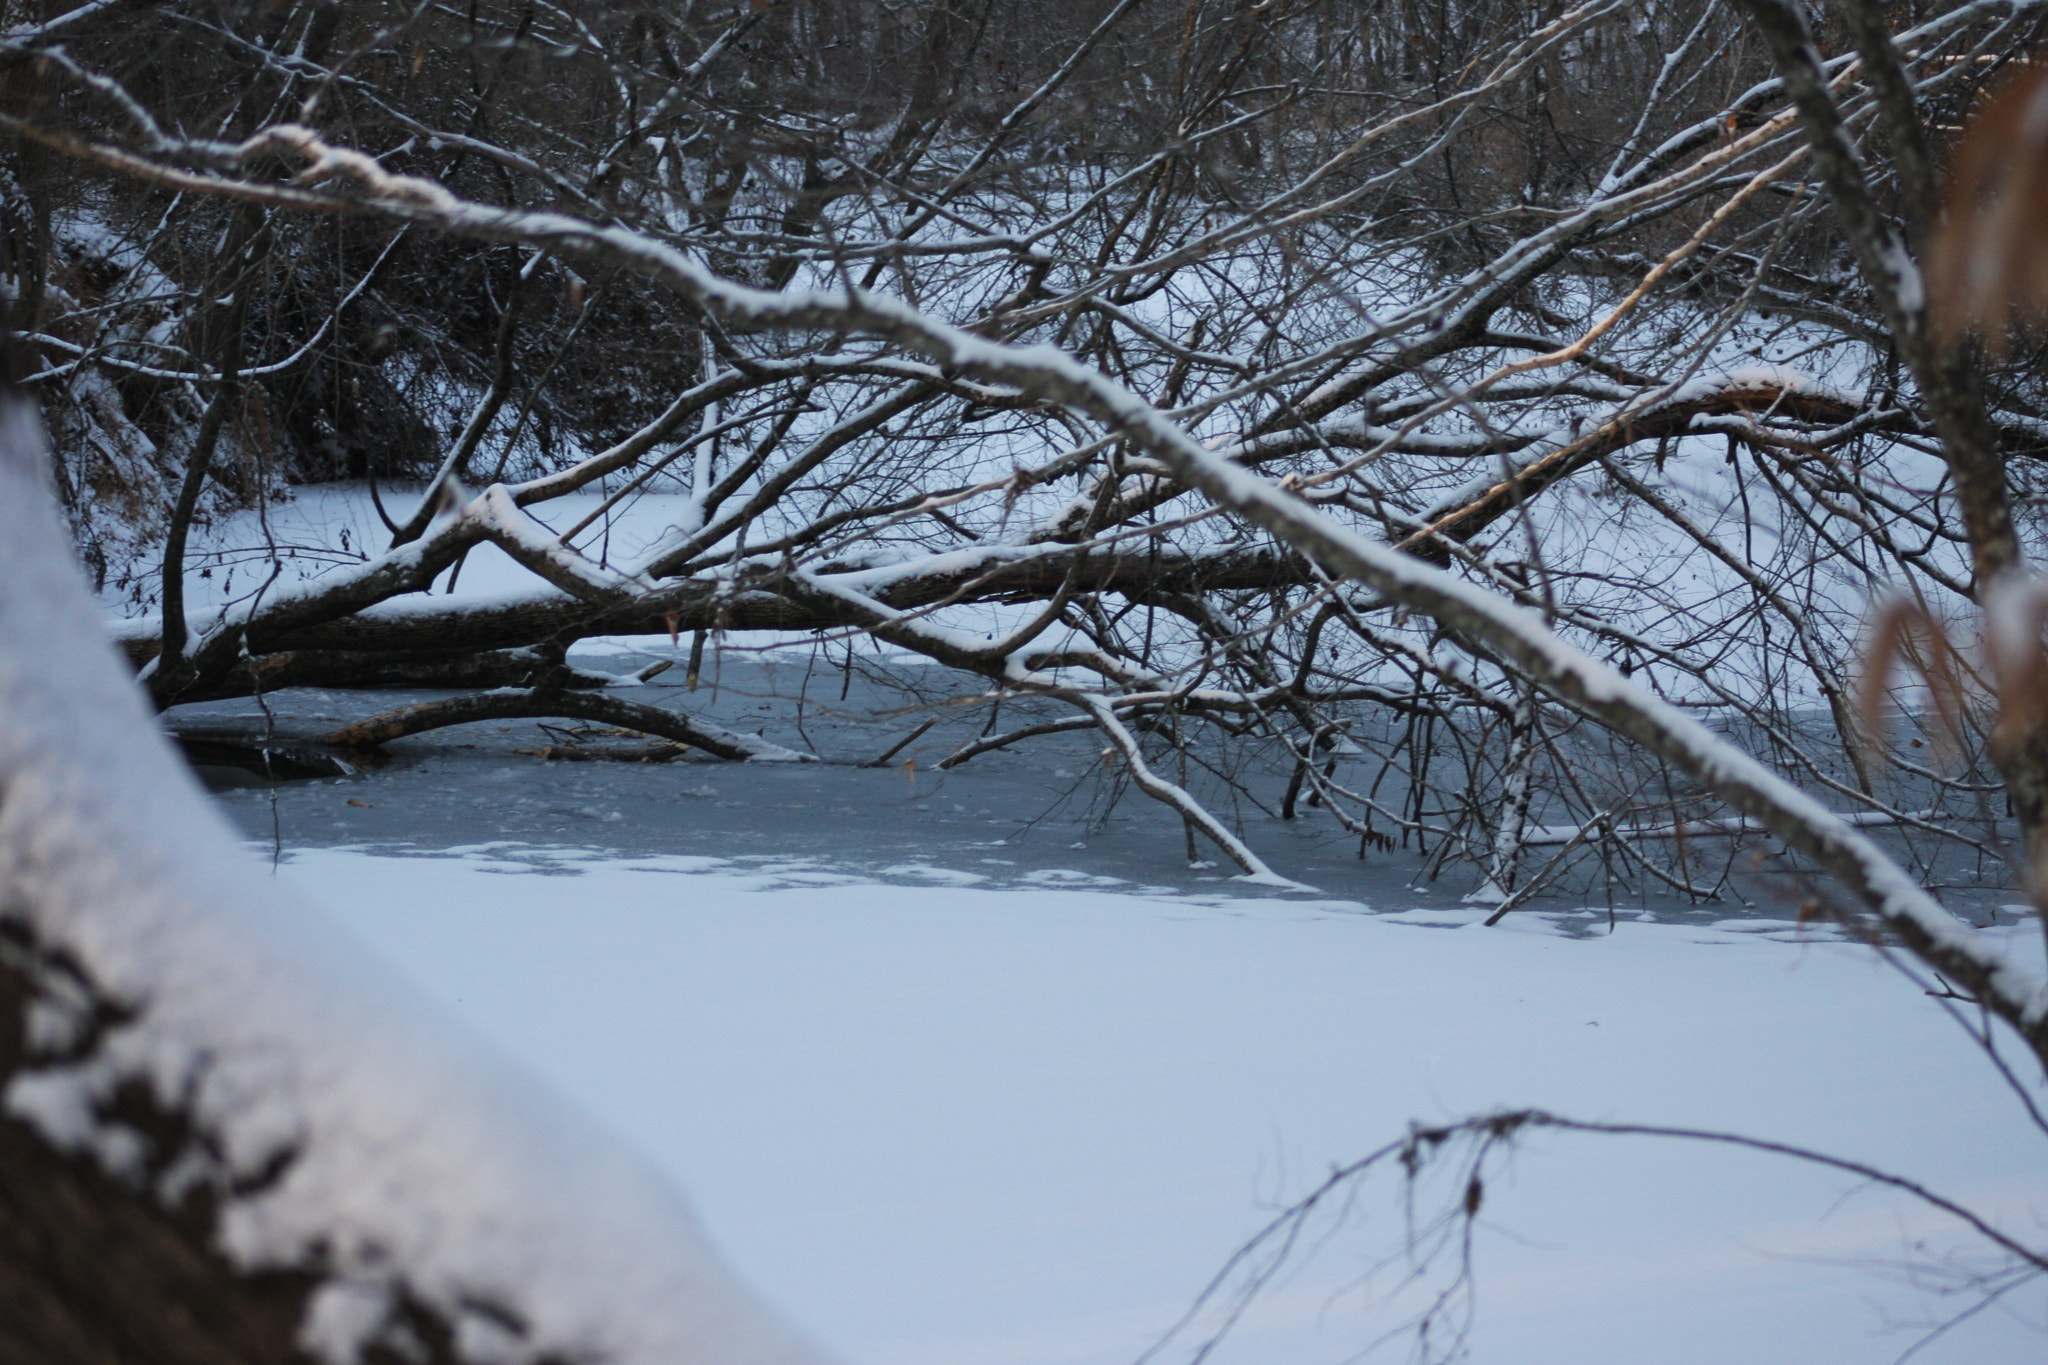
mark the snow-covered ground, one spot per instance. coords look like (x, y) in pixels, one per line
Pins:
(938, 1120)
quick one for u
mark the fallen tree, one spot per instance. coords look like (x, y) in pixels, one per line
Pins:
(1585, 352)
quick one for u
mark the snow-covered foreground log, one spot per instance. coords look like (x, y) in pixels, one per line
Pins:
(229, 1134)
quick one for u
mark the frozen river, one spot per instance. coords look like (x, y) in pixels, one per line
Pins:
(947, 1123)
(972, 1069)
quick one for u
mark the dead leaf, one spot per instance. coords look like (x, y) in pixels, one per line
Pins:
(1988, 262)
(1904, 633)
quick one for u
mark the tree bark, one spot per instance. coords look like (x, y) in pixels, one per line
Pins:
(95, 1269)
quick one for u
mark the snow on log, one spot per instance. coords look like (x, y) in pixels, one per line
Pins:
(227, 1133)
(332, 632)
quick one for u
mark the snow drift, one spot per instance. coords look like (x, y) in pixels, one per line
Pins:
(341, 1127)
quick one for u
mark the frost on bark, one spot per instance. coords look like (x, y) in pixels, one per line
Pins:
(94, 1267)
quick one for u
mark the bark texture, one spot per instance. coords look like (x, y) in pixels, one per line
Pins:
(96, 1269)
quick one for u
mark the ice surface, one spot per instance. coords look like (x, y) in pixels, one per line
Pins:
(951, 1124)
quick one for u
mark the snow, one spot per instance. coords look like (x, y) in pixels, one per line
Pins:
(947, 1123)
(1765, 378)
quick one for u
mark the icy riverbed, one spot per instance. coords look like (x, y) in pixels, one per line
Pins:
(1047, 806)
(970, 1067)
(941, 1119)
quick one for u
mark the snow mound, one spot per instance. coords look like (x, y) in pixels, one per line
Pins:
(355, 1132)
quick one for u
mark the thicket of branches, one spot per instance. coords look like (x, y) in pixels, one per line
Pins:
(1552, 297)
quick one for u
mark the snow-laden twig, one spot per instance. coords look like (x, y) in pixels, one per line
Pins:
(1157, 787)
(502, 521)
